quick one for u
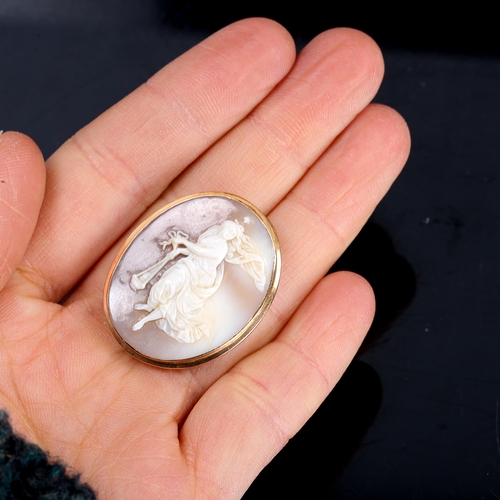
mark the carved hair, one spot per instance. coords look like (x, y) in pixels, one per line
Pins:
(243, 252)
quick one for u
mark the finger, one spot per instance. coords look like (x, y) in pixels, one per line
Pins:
(320, 217)
(334, 78)
(22, 184)
(243, 421)
(104, 177)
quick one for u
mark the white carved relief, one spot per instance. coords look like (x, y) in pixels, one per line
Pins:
(176, 300)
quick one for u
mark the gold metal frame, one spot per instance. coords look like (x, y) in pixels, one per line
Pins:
(238, 337)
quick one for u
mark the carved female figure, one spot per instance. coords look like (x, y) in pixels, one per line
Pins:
(177, 299)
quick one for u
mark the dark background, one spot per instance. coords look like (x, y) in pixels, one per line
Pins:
(417, 413)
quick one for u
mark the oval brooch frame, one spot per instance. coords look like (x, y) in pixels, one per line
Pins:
(193, 280)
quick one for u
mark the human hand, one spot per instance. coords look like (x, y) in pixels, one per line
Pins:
(235, 114)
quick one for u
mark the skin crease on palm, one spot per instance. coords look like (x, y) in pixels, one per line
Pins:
(239, 113)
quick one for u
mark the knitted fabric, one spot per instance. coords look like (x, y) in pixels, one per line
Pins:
(27, 473)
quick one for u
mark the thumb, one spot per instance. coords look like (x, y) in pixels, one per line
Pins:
(22, 185)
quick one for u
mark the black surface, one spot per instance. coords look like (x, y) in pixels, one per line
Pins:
(419, 410)
(471, 29)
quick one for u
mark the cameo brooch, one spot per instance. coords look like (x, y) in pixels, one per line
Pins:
(193, 280)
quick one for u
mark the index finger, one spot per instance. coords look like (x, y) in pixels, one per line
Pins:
(104, 177)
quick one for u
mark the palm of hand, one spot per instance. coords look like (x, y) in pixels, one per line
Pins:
(301, 144)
